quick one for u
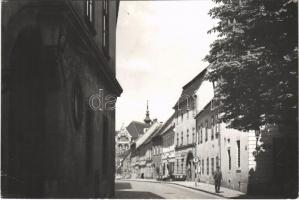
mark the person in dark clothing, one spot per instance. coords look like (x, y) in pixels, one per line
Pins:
(217, 179)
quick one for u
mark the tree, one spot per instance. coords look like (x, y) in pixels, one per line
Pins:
(254, 62)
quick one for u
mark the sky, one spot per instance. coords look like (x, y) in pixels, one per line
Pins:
(160, 47)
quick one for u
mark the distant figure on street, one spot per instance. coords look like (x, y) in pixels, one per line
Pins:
(217, 179)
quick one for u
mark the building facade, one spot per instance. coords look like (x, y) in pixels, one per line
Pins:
(185, 129)
(122, 146)
(168, 148)
(141, 153)
(223, 147)
(156, 154)
(56, 54)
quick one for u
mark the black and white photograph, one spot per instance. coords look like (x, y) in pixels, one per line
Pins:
(149, 99)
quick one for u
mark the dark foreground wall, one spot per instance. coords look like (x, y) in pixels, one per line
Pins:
(53, 143)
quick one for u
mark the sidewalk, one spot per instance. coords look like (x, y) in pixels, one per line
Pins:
(203, 187)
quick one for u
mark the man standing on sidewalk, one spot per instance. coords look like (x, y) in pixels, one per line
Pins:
(217, 179)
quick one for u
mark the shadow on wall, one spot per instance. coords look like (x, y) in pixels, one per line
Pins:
(276, 172)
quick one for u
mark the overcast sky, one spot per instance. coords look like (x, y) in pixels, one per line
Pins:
(160, 48)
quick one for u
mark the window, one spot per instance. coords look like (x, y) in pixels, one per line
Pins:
(201, 134)
(187, 136)
(159, 149)
(238, 154)
(212, 128)
(208, 166)
(198, 135)
(177, 166)
(206, 130)
(89, 11)
(182, 116)
(229, 159)
(182, 166)
(217, 161)
(105, 27)
(212, 165)
(182, 141)
(193, 136)
(172, 139)
(203, 166)
(217, 126)
(177, 139)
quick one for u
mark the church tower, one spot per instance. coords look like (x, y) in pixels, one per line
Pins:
(147, 119)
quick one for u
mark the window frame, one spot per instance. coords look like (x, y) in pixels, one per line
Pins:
(206, 131)
(105, 28)
(229, 159)
(238, 153)
(89, 6)
(208, 166)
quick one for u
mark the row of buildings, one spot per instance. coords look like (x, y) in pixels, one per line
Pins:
(193, 142)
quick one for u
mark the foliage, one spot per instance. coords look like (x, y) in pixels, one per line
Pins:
(254, 62)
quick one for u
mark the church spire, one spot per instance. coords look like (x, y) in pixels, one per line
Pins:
(147, 119)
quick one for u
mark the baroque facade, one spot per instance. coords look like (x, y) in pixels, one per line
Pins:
(56, 55)
(122, 146)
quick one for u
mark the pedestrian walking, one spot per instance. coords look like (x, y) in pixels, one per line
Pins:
(217, 179)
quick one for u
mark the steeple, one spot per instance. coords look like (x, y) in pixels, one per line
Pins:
(147, 119)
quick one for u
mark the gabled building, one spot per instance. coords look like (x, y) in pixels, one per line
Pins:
(137, 129)
(185, 129)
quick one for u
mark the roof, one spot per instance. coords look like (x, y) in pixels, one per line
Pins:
(190, 88)
(144, 138)
(136, 128)
(155, 133)
(168, 124)
(208, 106)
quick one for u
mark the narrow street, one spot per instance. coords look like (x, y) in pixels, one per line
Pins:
(150, 190)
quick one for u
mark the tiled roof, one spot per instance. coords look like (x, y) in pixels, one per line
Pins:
(156, 132)
(136, 128)
(167, 124)
(192, 86)
(207, 107)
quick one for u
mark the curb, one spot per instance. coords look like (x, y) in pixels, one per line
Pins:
(201, 190)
